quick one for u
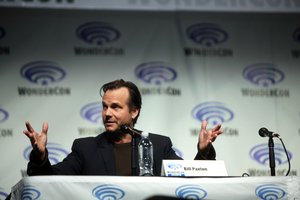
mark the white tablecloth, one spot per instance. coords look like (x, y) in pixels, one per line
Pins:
(116, 187)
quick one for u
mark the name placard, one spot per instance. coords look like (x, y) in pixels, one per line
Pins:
(193, 168)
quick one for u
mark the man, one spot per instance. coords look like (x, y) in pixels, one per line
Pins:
(109, 153)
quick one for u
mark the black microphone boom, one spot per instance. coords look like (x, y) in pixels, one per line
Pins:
(134, 133)
(128, 129)
(125, 128)
(264, 132)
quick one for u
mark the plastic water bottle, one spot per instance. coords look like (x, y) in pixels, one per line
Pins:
(145, 149)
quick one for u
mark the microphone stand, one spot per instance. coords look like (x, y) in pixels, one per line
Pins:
(271, 155)
(134, 135)
(133, 155)
(263, 132)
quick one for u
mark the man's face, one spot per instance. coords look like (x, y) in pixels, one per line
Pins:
(115, 109)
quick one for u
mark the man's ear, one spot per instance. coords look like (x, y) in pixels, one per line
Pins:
(134, 113)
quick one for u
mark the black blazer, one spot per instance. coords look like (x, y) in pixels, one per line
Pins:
(95, 156)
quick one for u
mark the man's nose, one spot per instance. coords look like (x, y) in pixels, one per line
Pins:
(108, 112)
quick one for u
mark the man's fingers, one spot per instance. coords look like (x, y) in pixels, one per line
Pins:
(30, 136)
(45, 128)
(203, 125)
(214, 137)
(216, 128)
(27, 133)
(219, 132)
(29, 127)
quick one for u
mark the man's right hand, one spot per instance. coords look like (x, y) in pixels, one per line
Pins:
(38, 140)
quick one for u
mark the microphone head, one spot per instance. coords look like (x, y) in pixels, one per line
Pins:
(263, 132)
(125, 128)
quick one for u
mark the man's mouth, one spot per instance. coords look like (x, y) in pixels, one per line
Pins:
(109, 123)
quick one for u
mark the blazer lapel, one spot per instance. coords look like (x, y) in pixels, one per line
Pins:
(106, 153)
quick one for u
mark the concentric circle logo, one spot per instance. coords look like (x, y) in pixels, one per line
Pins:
(55, 153)
(2, 32)
(213, 112)
(92, 112)
(260, 153)
(108, 192)
(3, 115)
(98, 33)
(174, 166)
(42, 72)
(296, 34)
(30, 193)
(190, 192)
(270, 192)
(155, 73)
(263, 74)
(206, 34)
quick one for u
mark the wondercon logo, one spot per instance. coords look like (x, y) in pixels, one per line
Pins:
(155, 73)
(263, 74)
(270, 191)
(3, 115)
(213, 112)
(92, 112)
(3, 194)
(190, 192)
(296, 34)
(260, 153)
(30, 193)
(42, 72)
(174, 166)
(2, 33)
(55, 153)
(97, 33)
(207, 34)
(107, 192)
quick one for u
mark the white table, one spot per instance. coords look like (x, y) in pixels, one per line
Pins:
(117, 187)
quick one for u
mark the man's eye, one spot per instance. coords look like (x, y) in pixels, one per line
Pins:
(115, 106)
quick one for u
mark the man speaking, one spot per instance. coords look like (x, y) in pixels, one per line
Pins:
(109, 153)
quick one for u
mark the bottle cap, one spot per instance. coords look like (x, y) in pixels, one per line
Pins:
(145, 133)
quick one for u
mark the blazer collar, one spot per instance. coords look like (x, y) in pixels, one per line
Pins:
(106, 151)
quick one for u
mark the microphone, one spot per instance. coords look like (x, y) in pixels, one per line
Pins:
(264, 132)
(134, 157)
(128, 129)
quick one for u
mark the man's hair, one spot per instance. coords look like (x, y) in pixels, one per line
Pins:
(135, 98)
